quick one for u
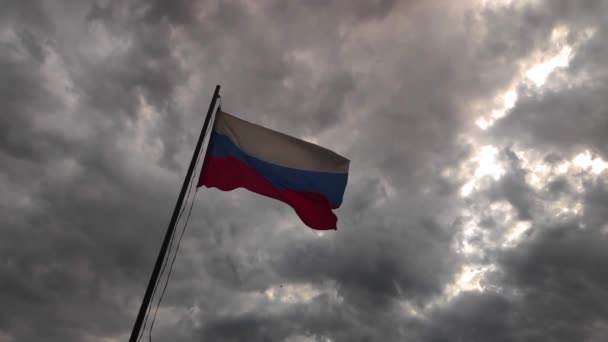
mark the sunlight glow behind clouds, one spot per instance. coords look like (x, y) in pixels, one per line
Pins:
(487, 165)
(475, 239)
(586, 161)
(509, 101)
(515, 233)
(537, 69)
(539, 72)
(470, 278)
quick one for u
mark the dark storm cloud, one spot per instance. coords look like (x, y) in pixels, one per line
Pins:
(474, 317)
(573, 116)
(101, 103)
(561, 290)
(21, 94)
(72, 219)
(373, 274)
(513, 187)
(318, 318)
(25, 14)
(565, 121)
(552, 287)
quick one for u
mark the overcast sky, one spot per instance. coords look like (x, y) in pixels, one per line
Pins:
(476, 206)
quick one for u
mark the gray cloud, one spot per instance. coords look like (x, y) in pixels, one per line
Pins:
(570, 117)
(101, 105)
(513, 187)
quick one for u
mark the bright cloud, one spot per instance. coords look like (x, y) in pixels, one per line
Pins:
(486, 165)
(536, 69)
(295, 293)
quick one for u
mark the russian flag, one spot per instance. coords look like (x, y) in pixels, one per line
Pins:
(309, 178)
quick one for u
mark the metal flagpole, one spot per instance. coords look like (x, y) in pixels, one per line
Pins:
(163, 249)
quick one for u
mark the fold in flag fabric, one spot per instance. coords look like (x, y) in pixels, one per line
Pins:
(309, 178)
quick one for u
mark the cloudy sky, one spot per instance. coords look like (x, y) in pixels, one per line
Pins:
(476, 206)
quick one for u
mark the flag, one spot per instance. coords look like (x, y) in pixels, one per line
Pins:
(309, 178)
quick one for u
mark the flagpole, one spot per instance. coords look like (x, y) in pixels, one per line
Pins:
(180, 200)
